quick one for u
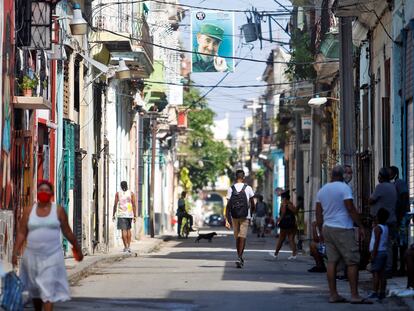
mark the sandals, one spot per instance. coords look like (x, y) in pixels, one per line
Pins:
(339, 300)
(363, 301)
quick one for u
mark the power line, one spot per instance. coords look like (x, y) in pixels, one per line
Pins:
(103, 5)
(274, 12)
(206, 54)
(216, 85)
(231, 86)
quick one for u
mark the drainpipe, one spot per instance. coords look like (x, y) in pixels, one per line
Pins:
(347, 104)
(299, 157)
(403, 104)
(152, 182)
(315, 165)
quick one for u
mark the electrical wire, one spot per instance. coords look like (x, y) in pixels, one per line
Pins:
(207, 54)
(216, 85)
(103, 5)
(281, 12)
(380, 22)
(232, 86)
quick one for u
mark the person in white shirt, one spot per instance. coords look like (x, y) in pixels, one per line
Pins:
(125, 210)
(239, 209)
(335, 216)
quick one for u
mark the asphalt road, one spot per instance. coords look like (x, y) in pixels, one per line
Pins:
(184, 275)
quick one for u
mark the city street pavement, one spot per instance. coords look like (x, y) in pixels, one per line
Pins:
(184, 275)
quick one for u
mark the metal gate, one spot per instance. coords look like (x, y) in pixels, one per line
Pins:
(77, 190)
(410, 149)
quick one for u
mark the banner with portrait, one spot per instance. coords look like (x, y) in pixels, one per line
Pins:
(212, 41)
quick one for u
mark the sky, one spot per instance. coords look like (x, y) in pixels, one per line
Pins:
(231, 101)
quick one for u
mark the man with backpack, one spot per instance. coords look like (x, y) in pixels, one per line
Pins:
(239, 208)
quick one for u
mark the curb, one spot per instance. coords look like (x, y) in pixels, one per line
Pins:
(82, 271)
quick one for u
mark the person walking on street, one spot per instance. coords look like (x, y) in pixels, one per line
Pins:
(378, 249)
(300, 222)
(402, 208)
(335, 216)
(287, 225)
(260, 218)
(183, 213)
(125, 210)
(239, 208)
(385, 196)
(42, 269)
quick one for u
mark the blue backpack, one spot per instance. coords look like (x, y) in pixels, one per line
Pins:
(12, 299)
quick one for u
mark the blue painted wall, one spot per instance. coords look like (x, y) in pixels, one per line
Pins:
(278, 177)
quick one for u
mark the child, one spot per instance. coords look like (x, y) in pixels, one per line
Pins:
(378, 249)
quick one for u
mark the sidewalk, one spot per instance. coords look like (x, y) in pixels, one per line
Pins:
(79, 270)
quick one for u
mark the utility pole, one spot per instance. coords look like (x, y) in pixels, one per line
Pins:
(153, 155)
(347, 104)
(315, 163)
(299, 156)
(254, 106)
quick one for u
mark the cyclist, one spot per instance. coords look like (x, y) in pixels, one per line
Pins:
(183, 213)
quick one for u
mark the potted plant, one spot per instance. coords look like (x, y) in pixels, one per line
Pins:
(28, 85)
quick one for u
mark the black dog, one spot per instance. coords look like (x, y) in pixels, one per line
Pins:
(207, 236)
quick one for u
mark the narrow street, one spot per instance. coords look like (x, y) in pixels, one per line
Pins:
(184, 275)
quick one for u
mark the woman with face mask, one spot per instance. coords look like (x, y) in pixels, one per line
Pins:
(42, 269)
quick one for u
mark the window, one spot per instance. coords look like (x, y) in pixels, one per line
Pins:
(410, 148)
(386, 131)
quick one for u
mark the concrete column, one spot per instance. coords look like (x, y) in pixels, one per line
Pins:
(299, 156)
(347, 104)
(315, 166)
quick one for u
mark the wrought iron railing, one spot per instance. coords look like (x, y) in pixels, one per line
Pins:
(141, 31)
(136, 26)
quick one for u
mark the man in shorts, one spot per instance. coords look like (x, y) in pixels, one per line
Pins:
(125, 210)
(260, 217)
(239, 208)
(335, 216)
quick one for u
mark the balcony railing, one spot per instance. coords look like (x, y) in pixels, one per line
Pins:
(128, 26)
(141, 31)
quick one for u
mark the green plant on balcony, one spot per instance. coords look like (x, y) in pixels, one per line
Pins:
(28, 85)
(281, 133)
(300, 66)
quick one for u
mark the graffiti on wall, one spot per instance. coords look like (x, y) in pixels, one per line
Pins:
(6, 188)
(6, 235)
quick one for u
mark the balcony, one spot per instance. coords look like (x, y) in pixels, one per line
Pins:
(31, 102)
(357, 8)
(127, 38)
(302, 2)
(36, 99)
(155, 93)
(328, 51)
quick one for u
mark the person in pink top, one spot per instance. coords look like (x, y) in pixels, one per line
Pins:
(125, 210)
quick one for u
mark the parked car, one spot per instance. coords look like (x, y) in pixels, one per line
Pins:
(215, 220)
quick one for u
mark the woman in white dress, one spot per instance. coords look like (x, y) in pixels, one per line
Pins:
(42, 268)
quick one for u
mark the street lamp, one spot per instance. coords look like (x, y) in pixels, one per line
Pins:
(78, 25)
(123, 71)
(317, 101)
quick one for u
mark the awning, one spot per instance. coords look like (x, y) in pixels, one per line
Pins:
(155, 93)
